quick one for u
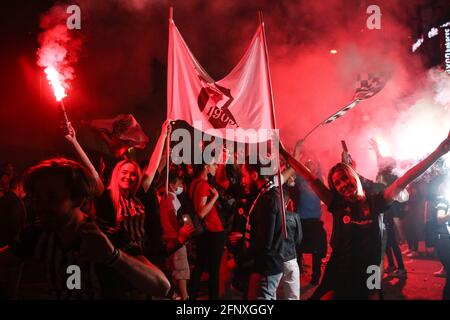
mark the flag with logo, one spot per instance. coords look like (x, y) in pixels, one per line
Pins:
(120, 133)
(241, 100)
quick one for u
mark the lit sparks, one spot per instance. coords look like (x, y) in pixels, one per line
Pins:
(54, 78)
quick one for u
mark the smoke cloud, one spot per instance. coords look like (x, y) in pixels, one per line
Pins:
(122, 68)
(59, 47)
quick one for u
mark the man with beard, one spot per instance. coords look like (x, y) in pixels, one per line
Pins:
(263, 238)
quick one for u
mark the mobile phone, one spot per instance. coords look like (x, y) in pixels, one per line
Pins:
(186, 219)
(344, 146)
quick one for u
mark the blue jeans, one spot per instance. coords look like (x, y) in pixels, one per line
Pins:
(261, 287)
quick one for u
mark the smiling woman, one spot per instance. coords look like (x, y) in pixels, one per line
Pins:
(345, 181)
(356, 236)
(125, 181)
(121, 206)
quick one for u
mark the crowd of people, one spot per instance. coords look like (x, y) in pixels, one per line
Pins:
(132, 239)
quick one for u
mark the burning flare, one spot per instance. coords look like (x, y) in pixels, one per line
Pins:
(54, 78)
(58, 51)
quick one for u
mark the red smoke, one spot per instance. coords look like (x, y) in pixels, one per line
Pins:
(58, 50)
(127, 48)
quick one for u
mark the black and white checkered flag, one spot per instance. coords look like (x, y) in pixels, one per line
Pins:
(368, 86)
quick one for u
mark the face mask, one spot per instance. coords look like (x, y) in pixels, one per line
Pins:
(179, 191)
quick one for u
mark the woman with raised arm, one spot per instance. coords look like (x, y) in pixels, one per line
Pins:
(120, 206)
(353, 269)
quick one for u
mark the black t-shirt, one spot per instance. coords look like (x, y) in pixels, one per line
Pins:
(266, 236)
(131, 218)
(356, 239)
(294, 235)
(149, 229)
(97, 280)
(154, 248)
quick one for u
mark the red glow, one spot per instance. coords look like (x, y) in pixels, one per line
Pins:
(54, 78)
(58, 50)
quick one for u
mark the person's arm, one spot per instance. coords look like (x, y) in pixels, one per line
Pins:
(221, 176)
(141, 273)
(398, 185)
(184, 234)
(162, 165)
(155, 158)
(316, 184)
(374, 146)
(174, 238)
(284, 176)
(287, 173)
(72, 138)
(202, 207)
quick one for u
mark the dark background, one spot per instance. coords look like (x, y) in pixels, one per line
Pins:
(122, 64)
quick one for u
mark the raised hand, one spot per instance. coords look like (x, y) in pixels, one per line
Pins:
(234, 237)
(186, 231)
(373, 145)
(444, 147)
(71, 135)
(214, 192)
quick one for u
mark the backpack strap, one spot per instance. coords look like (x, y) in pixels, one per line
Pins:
(191, 196)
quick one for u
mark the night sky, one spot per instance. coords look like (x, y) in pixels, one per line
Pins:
(122, 64)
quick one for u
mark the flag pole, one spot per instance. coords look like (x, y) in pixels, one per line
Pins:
(280, 185)
(355, 102)
(169, 132)
(169, 78)
(311, 131)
